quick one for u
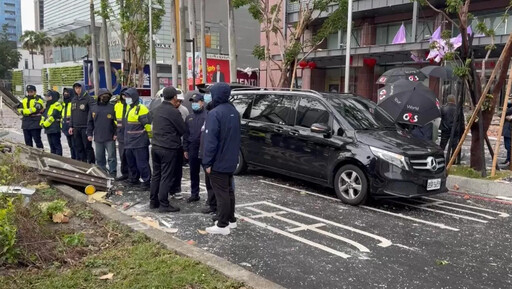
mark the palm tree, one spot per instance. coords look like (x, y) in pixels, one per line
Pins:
(42, 40)
(28, 40)
(72, 41)
(86, 42)
(59, 42)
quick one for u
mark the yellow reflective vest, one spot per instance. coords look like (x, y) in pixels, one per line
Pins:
(137, 127)
(121, 109)
(31, 108)
(50, 119)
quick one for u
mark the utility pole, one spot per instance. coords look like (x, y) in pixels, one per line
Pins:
(231, 42)
(347, 53)
(152, 62)
(183, 47)
(96, 76)
(106, 52)
(123, 44)
(203, 41)
(192, 35)
(174, 46)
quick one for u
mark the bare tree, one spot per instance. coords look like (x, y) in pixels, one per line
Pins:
(192, 31)
(203, 40)
(231, 41)
(174, 45)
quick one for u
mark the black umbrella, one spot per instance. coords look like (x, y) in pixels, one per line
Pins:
(442, 72)
(409, 102)
(395, 74)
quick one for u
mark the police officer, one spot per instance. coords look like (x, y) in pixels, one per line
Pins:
(191, 142)
(67, 95)
(102, 125)
(121, 109)
(31, 108)
(168, 128)
(80, 107)
(50, 121)
(137, 130)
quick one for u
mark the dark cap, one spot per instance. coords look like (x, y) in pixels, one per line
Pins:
(31, 87)
(196, 97)
(169, 92)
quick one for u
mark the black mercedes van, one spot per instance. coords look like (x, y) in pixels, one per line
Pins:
(341, 141)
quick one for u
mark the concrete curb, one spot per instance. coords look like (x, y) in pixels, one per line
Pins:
(225, 267)
(482, 187)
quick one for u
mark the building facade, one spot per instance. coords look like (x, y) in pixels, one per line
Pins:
(10, 15)
(39, 14)
(375, 24)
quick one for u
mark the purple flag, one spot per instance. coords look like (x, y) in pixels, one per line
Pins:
(436, 35)
(400, 37)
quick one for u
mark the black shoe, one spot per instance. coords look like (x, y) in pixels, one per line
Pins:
(169, 209)
(154, 206)
(193, 199)
(121, 178)
(133, 182)
(145, 185)
(208, 210)
(504, 162)
(215, 218)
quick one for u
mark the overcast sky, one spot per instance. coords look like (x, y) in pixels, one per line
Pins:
(27, 15)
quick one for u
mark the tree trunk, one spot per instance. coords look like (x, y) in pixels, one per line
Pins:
(204, 59)
(174, 45)
(231, 42)
(106, 55)
(61, 58)
(96, 76)
(192, 32)
(183, 47)
(32, 55)
(123, 47)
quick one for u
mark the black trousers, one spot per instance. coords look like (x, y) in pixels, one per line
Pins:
(195, 167)
(138, 164)
(54, 141)
(124, 162)
(211, 201)
(164, 174)
(222, 184)
(176, 184)
(71, 147)
(83, 147)
(35, 134)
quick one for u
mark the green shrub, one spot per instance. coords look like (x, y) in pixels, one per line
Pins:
(74, 240)
(8, 251)
(55, 207)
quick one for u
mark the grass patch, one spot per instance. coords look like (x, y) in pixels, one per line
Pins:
(143, 265)
(74, 240)
(468, 172)
(85, 214)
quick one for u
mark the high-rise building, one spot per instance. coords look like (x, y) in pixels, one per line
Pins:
(39, 14)
(10, 15)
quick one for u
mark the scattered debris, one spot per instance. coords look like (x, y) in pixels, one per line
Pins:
(191, 242)
(100, 197)
(170, 230)
(40, 186)
(148, 221)
(303, 193)
(109, 276)
(245, 264)
(467, 197)
(128, 205)
(442, 262)
(119, 193)
(202, 232)
(60, 218)
(456, 187)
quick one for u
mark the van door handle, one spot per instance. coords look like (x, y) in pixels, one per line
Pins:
(293, 132)
(278, 129)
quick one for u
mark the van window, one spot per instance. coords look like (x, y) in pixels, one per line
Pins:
(277, 109)
(243, 104)
(311, 111)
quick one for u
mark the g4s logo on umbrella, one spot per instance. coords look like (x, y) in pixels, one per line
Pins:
(383, 79)
(412, 118)
(413, 78)
(382, 94)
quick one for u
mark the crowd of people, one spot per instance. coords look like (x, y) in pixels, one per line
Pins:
(208, 138)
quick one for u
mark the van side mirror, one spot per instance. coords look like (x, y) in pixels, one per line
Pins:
(321, 128)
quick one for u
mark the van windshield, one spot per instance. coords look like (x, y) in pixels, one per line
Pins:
(361, 114)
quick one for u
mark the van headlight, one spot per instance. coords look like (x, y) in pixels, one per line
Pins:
(392, 158)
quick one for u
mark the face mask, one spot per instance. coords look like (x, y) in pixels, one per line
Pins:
(128, 101)
(196, 106)
(207, 98)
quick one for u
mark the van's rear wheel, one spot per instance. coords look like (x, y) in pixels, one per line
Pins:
(351, 185)
(241, 167)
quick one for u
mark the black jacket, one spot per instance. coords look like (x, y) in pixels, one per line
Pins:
(102, 122)
(168, 126)
(192, 137)
(506, 126)
(80, 108)
(448, 114)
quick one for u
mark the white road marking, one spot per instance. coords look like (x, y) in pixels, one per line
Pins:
(504, 198)
(314, 228)
(501, 214)
(440, 205)
(292, 236)
(441, 212)
(268, 215)
(439, 225)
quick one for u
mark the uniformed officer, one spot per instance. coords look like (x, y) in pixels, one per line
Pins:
(50, 121)
(102, 125)
(67, 95)
(121, 109)
(137, 130)
(80, 107)
(31, 108)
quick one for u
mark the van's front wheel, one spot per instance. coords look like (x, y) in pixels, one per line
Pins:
(351, 185)
(241, 167)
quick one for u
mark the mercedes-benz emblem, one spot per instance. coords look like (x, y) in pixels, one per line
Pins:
(432, 164)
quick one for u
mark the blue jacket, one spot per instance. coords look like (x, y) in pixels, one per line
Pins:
(506, 127)
(192, 137)
(222, 134)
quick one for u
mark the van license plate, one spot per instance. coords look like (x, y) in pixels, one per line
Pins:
(434, 184)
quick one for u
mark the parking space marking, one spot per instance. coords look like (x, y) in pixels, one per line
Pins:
(313, 228)
(399, 215)
(440, 205)
(292, 236)
(501, 214)
(439, 211)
